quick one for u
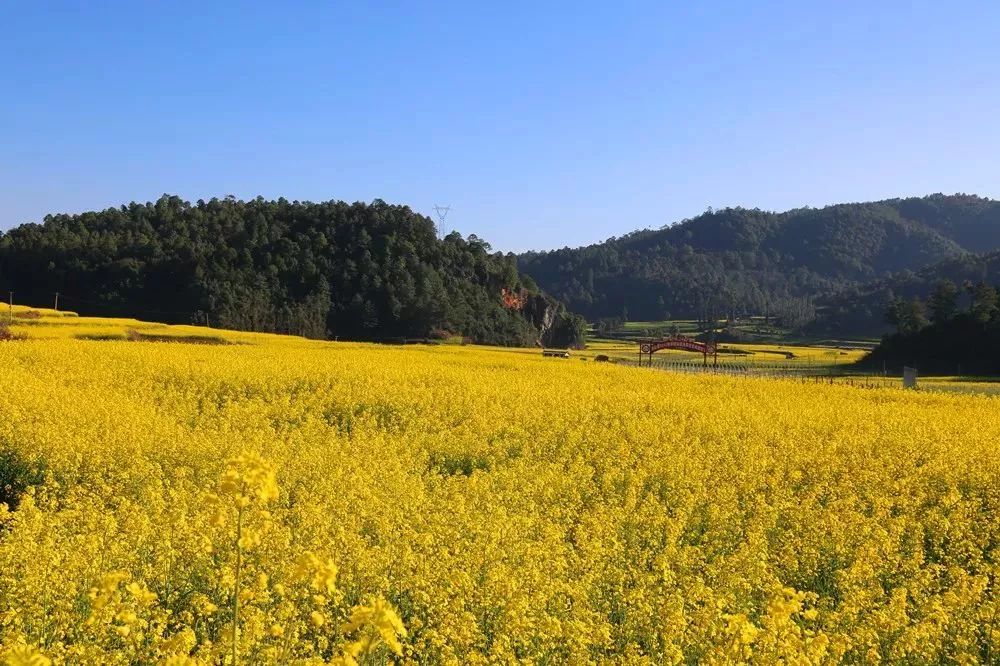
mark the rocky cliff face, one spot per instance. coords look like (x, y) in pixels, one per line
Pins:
(556, 326)
(542, 312)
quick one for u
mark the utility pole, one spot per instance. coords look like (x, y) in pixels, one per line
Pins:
(11, 309)
(56, 308)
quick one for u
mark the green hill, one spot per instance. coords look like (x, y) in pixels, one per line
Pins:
(356, 271)
(740, 260)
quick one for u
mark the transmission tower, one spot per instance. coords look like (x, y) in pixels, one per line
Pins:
(441, 212)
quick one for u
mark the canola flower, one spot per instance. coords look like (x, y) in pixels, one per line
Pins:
(287, 501)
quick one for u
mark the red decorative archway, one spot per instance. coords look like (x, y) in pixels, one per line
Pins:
(649, 347)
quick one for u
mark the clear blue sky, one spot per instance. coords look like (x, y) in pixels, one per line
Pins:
(542, 127)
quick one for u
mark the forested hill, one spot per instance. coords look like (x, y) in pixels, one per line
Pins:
(861, 309)
(356, 271)
(738, 260)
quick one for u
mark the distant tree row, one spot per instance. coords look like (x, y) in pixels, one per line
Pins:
(911, 315)
(860, 309)
(354, 271)
(940, 335)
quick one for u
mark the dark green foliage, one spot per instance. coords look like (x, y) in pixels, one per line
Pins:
(960, 345)
(984, 302)
(859, 310)
(908, 316)
(738, 261)
(792, 312)
(17, 474)
(963, 342)
(354, 271)
(607, 326)
(943, 302)
(568, 330)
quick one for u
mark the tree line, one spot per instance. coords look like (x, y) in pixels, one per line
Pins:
(860, 309)
(955, 330)
(331, 269)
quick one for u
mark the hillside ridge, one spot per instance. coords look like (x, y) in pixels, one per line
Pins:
(330, 269)
(741, 260)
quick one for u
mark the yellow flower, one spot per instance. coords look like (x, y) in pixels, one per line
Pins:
(322, 574)
(140, 593)
(247, 478)
(383, 618)
(26, 656)
(517, 509)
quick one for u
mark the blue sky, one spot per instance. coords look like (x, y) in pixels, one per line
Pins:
(541, 124)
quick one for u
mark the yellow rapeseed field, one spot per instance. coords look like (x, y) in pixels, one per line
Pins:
(350, 503)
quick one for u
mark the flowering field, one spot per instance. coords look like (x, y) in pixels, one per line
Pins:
(348, 502)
